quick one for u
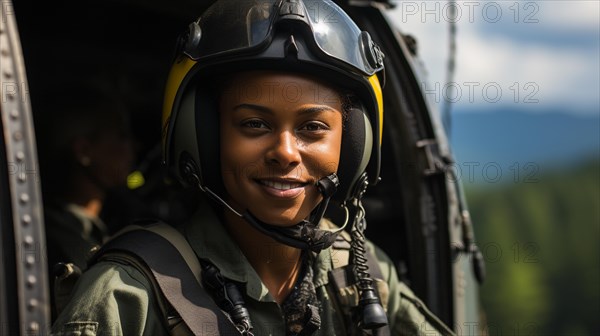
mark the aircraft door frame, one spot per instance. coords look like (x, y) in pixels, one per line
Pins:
(24, 296)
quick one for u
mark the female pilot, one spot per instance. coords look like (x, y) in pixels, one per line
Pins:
(273, 109)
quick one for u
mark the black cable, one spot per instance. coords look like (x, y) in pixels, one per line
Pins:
(371, 313)
(228, 297)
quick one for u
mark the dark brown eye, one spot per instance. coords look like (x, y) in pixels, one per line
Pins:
(254, 123)
(314, 126)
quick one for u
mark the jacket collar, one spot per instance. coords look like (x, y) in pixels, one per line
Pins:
(210, 241)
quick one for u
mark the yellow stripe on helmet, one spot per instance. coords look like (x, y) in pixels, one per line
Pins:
(178, 72)
(379, 96)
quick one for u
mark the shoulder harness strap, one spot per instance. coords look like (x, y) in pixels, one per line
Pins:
(170, 264)
(341, 252)
(342, 278)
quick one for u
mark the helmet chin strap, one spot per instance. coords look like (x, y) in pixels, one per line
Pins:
(305, 235)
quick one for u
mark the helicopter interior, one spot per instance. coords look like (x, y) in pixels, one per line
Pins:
(127, 47)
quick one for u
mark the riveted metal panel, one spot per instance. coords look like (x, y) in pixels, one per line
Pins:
(23, 186)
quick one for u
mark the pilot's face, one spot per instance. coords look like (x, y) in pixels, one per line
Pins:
(280, 133)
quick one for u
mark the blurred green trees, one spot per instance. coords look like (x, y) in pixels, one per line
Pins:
(540, 241)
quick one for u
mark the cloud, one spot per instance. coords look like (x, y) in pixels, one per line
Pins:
(559, 24)
(571, 14)
(530, 64)
(532, 76)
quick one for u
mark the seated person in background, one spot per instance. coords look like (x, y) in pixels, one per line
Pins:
(85, 150)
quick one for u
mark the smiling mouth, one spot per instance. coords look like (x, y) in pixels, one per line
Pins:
(281, 185)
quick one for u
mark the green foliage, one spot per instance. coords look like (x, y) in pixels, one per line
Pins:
(540, 243)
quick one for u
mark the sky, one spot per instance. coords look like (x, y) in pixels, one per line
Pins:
(535, 56)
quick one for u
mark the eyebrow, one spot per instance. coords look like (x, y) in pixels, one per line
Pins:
(259, 108)
(302, 111)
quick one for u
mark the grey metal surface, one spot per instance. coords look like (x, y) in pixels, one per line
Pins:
(23, 182)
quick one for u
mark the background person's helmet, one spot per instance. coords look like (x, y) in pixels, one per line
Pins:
(311, 37)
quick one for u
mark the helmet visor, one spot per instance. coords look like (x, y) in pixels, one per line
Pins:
(230, 27)
(339, 37)
(233, 25)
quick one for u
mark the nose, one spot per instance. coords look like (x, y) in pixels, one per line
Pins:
(284, 150)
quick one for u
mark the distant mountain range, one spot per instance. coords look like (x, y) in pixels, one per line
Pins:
(510, 141)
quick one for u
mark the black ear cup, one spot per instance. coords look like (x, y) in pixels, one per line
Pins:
(196, 139)
(189, 170)
(208, 138)
(357, 142)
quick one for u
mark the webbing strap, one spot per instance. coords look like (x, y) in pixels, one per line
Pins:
(176, 281)
(339, 275)
(341, 254)
(173, 236)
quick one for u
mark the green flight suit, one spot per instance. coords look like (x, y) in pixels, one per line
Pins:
(116, 299)
(70, 235)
